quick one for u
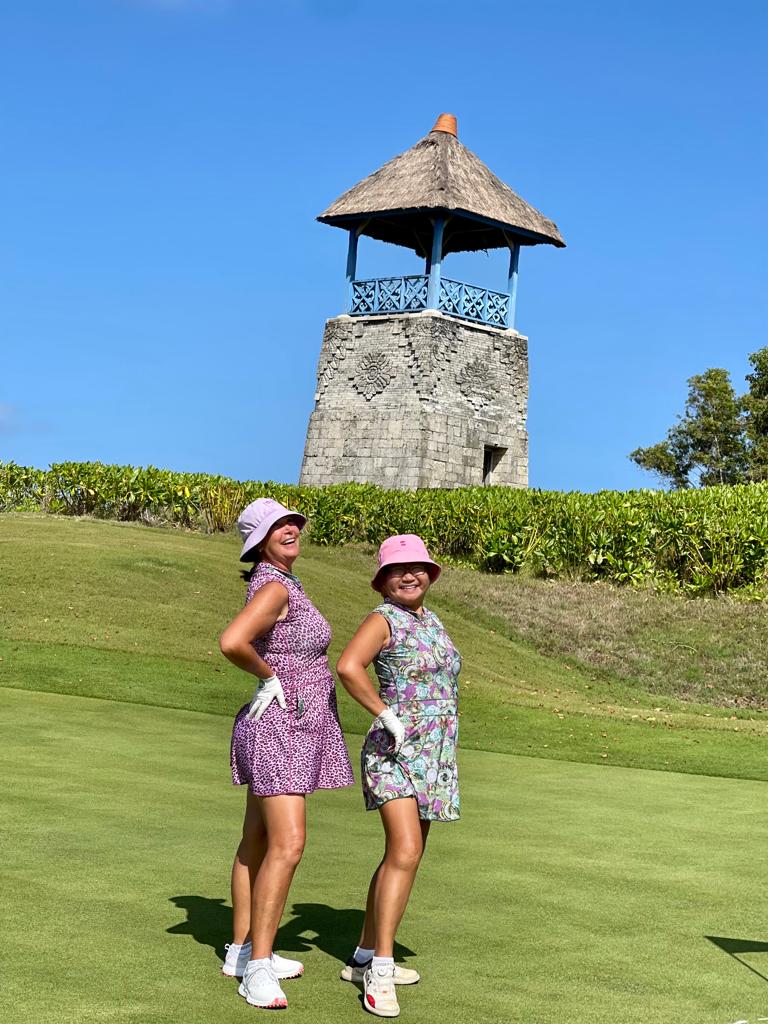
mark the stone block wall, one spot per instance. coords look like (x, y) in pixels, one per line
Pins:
(413, 400)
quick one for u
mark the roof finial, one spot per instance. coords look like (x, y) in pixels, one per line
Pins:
(447, 123)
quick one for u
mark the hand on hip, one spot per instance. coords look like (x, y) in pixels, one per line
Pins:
(267, 691)
(388, 720)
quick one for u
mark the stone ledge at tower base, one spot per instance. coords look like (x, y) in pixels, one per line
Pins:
(418, 400)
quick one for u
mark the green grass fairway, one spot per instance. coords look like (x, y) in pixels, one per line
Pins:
(567, 893)
(597, 892)
(123, 612)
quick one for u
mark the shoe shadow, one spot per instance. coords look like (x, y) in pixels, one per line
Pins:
(332, 930)
(209, 921)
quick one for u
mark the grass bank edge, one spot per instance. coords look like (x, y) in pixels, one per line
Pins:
(700, 541)
(522, 732)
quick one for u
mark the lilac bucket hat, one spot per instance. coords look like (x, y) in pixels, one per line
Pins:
(255, 521)
(406, 549)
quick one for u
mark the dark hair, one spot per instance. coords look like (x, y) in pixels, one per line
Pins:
(255, 557)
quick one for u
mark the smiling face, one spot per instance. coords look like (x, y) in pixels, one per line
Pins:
(406, 584)
(281, 545)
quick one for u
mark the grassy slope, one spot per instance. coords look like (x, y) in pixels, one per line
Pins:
(123, 612)
(565, 893)
(594, 887)
(709, 649)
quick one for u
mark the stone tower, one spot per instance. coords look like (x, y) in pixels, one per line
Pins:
(423, 382)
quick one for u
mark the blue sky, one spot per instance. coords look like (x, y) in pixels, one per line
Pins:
(163, 282)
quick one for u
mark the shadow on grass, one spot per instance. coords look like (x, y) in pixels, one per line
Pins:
(311, 926)
(335, 932)
(209, 921)
(735, 946)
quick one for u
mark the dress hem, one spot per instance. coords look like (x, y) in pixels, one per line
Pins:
(409, 796)
(296, 792)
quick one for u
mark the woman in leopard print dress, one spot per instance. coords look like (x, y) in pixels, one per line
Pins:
(286, 742)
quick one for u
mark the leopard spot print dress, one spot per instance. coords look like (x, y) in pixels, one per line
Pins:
(299, 749)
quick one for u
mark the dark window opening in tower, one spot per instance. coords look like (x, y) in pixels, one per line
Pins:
(491, 458)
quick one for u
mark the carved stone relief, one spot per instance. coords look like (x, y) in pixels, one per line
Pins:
(475, 382)
(513, 357)
(435, 392)
(374, 372)
(336, 344)
(429, 352)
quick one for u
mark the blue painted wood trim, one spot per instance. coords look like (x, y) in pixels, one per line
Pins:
(514, 257)
(351, 265)
(433, 290)
(387, 295)
(510, 229)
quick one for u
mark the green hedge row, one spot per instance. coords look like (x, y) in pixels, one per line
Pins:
(708, 540)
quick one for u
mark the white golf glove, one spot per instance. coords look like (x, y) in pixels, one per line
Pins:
(388, 720)
(267, 691)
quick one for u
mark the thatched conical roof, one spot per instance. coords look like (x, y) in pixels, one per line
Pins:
(439, 175)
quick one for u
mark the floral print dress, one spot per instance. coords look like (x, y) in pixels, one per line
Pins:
(418, 671)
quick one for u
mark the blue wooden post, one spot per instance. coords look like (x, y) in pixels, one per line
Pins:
(433, 288)
(514, 256)
(351, 265)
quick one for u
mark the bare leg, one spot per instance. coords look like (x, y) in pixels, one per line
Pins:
(285, 822)
(405, 839)
(248, 858)
(368, 934)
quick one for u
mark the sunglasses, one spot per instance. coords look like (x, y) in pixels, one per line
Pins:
(406, 570)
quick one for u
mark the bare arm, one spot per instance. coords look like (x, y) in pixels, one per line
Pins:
(372, 635)
(267, 606)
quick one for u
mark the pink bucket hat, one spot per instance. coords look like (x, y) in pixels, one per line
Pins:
(255, 521)
(405, 549)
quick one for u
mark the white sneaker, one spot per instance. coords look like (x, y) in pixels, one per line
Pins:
(285, 968)
(379, 996)
(259, 986)
(355, 972)
(236, 959)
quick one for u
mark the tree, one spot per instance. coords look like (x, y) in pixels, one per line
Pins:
(708, 445)
(755, 406)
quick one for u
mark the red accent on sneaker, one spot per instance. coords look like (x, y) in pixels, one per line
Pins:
(371, 1000)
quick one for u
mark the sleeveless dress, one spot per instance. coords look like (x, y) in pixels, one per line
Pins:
(302, 748)
(418, 671)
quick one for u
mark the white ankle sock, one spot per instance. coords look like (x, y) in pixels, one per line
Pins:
(263, 961)
(362, 955)
(237, 946)
(383, 961)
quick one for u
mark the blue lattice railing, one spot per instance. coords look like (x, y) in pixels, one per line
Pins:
(471, 303)
(389, 295)
(409, 295)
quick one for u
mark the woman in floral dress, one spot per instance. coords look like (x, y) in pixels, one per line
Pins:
(409, 755)
(286, 742)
